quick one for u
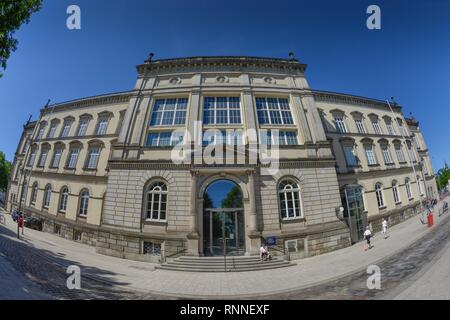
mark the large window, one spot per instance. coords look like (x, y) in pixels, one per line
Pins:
(390, 128)
(386, 154)
(164, 138)
(379, 195)
(73, 157)
(40, 134)
(102, 126)
(63, 199)
(274, 111)
(34, 192)
(377, 127)
(66, 128)
(350, 157)
(56, 157)
(360, 126)
(340, 124)
(290, 200)
(43, 157)
(52, 131)
(82, 127)
(370, 154)
(283, 138)
(395, 192)
(169, 112)
(156, 201)
(47, 196)
(399, 152)
(419, 182)
(221, 110)
(84, 203)
(93, 156)
(408, 188)
(412, 154)
(32, 157)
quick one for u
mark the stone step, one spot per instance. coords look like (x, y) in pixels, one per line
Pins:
(217, 264)
(206, 269)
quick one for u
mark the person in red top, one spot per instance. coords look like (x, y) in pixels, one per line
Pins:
(20, 221)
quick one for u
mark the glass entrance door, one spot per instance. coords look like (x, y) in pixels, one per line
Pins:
(354, 212)
(226, 232)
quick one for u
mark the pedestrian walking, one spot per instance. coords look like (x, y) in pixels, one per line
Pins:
(384, 226)
(367, 236)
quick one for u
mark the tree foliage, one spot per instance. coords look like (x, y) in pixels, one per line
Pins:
(13, 13)
(5, 170)
(233, 199)
(443, 176)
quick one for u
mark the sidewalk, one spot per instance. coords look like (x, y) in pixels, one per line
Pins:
(143, 277)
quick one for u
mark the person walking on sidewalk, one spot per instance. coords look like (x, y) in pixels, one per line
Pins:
(367, 236)
(384, 226)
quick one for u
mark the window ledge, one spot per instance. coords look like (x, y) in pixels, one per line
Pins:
(382, 207)
(293, 220)
(155, 222)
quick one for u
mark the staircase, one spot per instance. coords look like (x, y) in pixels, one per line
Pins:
(217, 264)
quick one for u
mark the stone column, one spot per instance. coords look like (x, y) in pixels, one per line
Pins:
(253, 233)
(193, 237)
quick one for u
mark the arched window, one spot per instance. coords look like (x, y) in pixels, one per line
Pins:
(408, 188)
(84, 203)
(290, 200)
(395, 192)
(47, 196)
(63, 199)
(34, 192)
(156, 201)
(379, 194)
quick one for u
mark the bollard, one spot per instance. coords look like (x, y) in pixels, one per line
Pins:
(430, 220)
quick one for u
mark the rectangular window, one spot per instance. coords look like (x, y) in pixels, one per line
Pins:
(164, 139)
(66, 129)
(51, 132)
(386, 155)
(40, 133)
(26, 145)
(408, 190)
(73, 158)
(169, 112)
(82, 128)
(32, 158)
(282, 138)
(371, 159)
(102, 126)
(390, 128)
(43, 158)
(93, 155)
(350, 156)
(400, 155)
(377, 127)
(56, 158)
(222, 110)
(274, 111)
(360, 126)
(412, 154)
(340, 124)
(402, 130)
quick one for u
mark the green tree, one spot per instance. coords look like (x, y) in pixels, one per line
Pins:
(13, 13)
(233, 199)
(5, 170)
(443, 176)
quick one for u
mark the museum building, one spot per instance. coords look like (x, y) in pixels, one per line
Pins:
(131, 172)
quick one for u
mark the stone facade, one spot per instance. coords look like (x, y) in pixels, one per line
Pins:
(104, 198)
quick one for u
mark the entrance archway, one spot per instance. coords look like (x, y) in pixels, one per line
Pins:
(223, 219)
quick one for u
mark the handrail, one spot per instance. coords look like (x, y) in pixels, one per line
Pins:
(177, 252)
(283, 251)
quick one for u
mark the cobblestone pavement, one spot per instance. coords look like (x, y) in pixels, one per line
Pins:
(46, 271)
(395, 271)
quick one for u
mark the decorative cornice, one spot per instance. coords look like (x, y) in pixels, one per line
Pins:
(114, 98)
(221, 64)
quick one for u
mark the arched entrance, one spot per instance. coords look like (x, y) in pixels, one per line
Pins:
(223, 219)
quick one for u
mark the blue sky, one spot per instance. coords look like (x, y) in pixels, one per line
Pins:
(409, 58)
